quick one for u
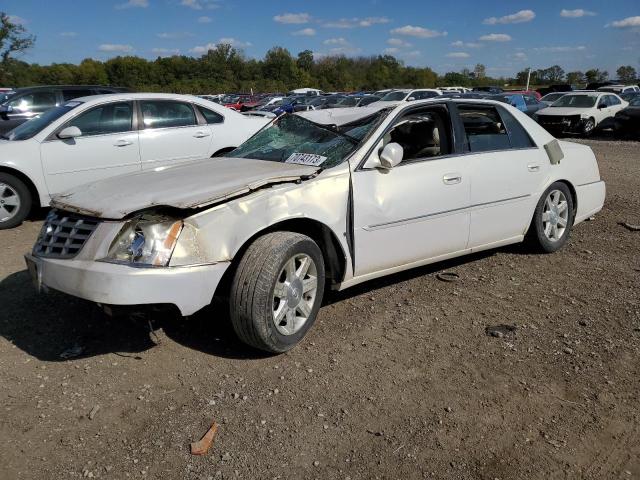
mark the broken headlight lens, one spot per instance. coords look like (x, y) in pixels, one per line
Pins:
(147, 240)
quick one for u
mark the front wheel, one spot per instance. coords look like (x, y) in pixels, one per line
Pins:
(277, 291)
(15, 201)
(588, 127)
(552, 219)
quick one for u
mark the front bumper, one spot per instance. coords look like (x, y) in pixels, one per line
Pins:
(188, 288)
(562, 124)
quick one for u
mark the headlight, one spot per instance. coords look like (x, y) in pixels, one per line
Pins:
(146, 240)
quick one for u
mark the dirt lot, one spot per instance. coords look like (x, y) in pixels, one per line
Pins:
(396, 380)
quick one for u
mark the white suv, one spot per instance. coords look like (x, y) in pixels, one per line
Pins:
(91, 138)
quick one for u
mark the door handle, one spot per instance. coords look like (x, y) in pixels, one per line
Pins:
(122, 143)
(201, 134)
(532, 167)
(452, 178)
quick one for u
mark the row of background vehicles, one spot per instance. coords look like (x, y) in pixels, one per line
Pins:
(49, 142)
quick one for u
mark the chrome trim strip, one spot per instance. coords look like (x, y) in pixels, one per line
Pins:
(445, 212)
(590, 183)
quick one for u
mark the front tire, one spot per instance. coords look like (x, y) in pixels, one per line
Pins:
(15, 201)
(552, 219)
(588, 127)
(277, 291)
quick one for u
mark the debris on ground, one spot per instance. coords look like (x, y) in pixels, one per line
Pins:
(94, 411)
(500, 331)
(202, 446)
(72, 352)
(448, 276)
(629, 226)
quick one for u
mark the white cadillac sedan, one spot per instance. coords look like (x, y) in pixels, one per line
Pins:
(322, 198)
(92, 138)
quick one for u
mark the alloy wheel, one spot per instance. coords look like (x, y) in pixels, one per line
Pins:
(555, 215)
(9, 202)
(294, 294)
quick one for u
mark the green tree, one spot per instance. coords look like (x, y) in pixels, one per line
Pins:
(627, 74)
(480, 71)
(14, 39)
(576, 78)
(305, 60)
(595, 75)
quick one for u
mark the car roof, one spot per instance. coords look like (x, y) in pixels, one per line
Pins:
(136, 96)
(49, 87)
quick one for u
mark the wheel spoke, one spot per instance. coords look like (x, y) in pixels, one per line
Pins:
(279, 314)
(291, 321)
(554, 232)
(562, 206)
(546, 216)
(11, 201)
(547, 203)
(280, 290)
(4, 214)
(556, 198)
(304, 308)
(290, 268)
(562, 222)
(305, 263)
(309, 284)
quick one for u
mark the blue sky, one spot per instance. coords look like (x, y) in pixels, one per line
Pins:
(505, 36)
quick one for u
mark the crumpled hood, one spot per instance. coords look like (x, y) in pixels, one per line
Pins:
(190, 185)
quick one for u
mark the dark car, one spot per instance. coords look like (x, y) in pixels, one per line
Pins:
(561, 87)
(490, 89)
(626, 123)
(30, 102)
(526, 103)
(365, 100)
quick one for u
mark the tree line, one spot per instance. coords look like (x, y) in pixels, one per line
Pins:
(226, 69)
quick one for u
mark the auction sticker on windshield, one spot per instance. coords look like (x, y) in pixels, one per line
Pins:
(310, 159)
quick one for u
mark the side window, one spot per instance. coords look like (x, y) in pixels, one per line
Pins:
(484, 128)
(614, 100)
(35, 102)
(75, 93)
(210, 116)
(105, 119)
(167, 113)
(422, 135)
(530, 100)
(603, 102)
(518, 136)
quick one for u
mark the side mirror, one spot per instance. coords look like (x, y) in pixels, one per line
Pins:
(69, 132)
(391, 155)
(411, 99)
(601, 106)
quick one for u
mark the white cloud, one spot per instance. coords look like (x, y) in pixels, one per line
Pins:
(355, 22)
(391, 50)
(345, 50)
(68, 34)
(200, 4)
(305, 32)
(458, 55)
(234, 42)
(202, 49)
(496, 37)
(398, 42)
(411, 54)
(17, 20)
(629, 22)
(174, 35)
(521, 56)
(293, 18)
(336, 41)
(165, 52)
(518, 17)
(115, 47)
(204, 19)
(418, 32)
(577, 13)
(133, 4)
(460, 43)
(561, 49)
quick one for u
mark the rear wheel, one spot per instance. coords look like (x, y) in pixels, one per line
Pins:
(552, 219)
(277, 291)
(15, 201)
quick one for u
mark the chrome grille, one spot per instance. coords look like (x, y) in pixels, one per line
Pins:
(63, 235)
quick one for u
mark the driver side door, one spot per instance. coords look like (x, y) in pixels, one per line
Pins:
(415, 212)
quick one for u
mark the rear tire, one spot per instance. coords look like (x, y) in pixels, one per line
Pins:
(15, 201)
(552, 219)
(277, 291)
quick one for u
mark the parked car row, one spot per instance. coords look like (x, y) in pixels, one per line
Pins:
(314, 200)
(90, 138)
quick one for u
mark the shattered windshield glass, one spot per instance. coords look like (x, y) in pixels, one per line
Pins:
(294, 139)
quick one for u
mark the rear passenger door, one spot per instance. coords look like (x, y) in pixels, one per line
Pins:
(171, 133)
(507, 173)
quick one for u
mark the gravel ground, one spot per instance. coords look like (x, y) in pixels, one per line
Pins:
(397, 379)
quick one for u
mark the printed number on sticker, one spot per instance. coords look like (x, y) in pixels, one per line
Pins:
(306, 159)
